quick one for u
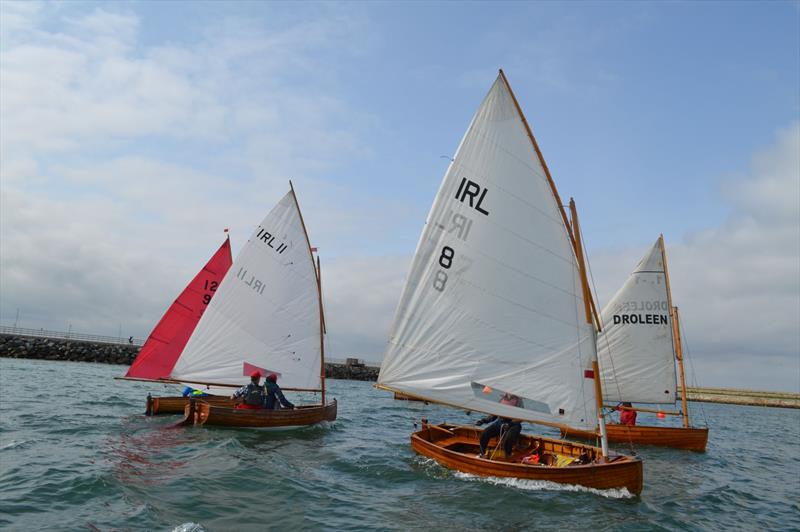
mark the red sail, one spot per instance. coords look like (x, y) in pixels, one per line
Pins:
(165, 344)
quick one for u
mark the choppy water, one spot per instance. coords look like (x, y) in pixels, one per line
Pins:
(76, 453)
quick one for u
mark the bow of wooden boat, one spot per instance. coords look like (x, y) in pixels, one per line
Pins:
(189, 414)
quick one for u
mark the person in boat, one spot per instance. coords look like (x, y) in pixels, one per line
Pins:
(274, 395)
(507, 429)
(251, 394)
(626, 416)
(191, 392)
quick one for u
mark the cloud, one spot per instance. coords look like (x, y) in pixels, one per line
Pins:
(361, 294)
(738, 285)
(121, 160)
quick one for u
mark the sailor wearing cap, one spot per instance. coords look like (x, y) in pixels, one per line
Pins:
(252, 394)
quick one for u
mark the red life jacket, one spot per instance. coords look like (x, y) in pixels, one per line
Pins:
(628, 417)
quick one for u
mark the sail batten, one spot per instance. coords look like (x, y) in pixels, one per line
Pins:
(493, 301)
(635, 349)
(266, 312)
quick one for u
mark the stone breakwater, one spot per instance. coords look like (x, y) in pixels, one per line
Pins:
(14, 346)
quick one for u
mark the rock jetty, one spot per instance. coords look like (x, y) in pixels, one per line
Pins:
(16, 346)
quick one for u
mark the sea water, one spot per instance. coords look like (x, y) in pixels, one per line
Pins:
(77, 453)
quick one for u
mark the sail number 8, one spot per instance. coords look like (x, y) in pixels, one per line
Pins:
(445, 261)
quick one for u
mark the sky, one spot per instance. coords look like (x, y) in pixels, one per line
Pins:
(133, 133)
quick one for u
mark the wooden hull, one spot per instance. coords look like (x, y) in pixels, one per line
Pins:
(199, 412)
(456, 447)
(693, 439)
(157, 406)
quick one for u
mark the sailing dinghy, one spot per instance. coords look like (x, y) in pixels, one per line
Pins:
(165, 344)
(496, 301)
(637, 352)
(267, 315)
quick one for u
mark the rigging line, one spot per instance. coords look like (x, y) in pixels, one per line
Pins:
(686, 355)
(500, 440)
(605, 337)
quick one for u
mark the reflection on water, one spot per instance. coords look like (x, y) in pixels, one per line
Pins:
(142, 454)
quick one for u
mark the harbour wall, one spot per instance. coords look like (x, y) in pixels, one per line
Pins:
(734, 396)
(77, 350)
(36, 347)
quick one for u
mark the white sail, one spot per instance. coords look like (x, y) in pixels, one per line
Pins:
(265, 313)
(493, 301)
(635, 348)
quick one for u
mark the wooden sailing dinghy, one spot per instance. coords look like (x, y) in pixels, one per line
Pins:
(267, 315)
(497, 302)
(167, 340)
(637, 351)
(457, 447)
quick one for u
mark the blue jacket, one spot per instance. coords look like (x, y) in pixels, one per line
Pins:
(274, 394)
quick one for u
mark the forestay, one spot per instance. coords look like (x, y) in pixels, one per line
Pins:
(493, 301)
(265, 313)
(635, 349)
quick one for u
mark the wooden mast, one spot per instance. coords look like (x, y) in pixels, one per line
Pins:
(321, 332)
(598, 389)
(319, 292)
(676, 342)
(550, 181)
(676, 334)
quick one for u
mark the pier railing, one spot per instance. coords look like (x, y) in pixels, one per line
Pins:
(69, 335)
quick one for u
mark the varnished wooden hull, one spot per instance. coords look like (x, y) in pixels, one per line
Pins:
(199, 412)
(456, 447)
(693, 439)
(157, 406)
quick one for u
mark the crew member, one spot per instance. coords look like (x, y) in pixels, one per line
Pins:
(506, 428)
(192, 392)
(252, 394)
(627, 417)
(274, 394)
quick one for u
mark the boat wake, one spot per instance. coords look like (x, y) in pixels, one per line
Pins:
(544, 485)
(189, 527)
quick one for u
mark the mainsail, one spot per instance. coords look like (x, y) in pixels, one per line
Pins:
(493, 302)
(266, 313)
(635, 348)
(167, 340)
